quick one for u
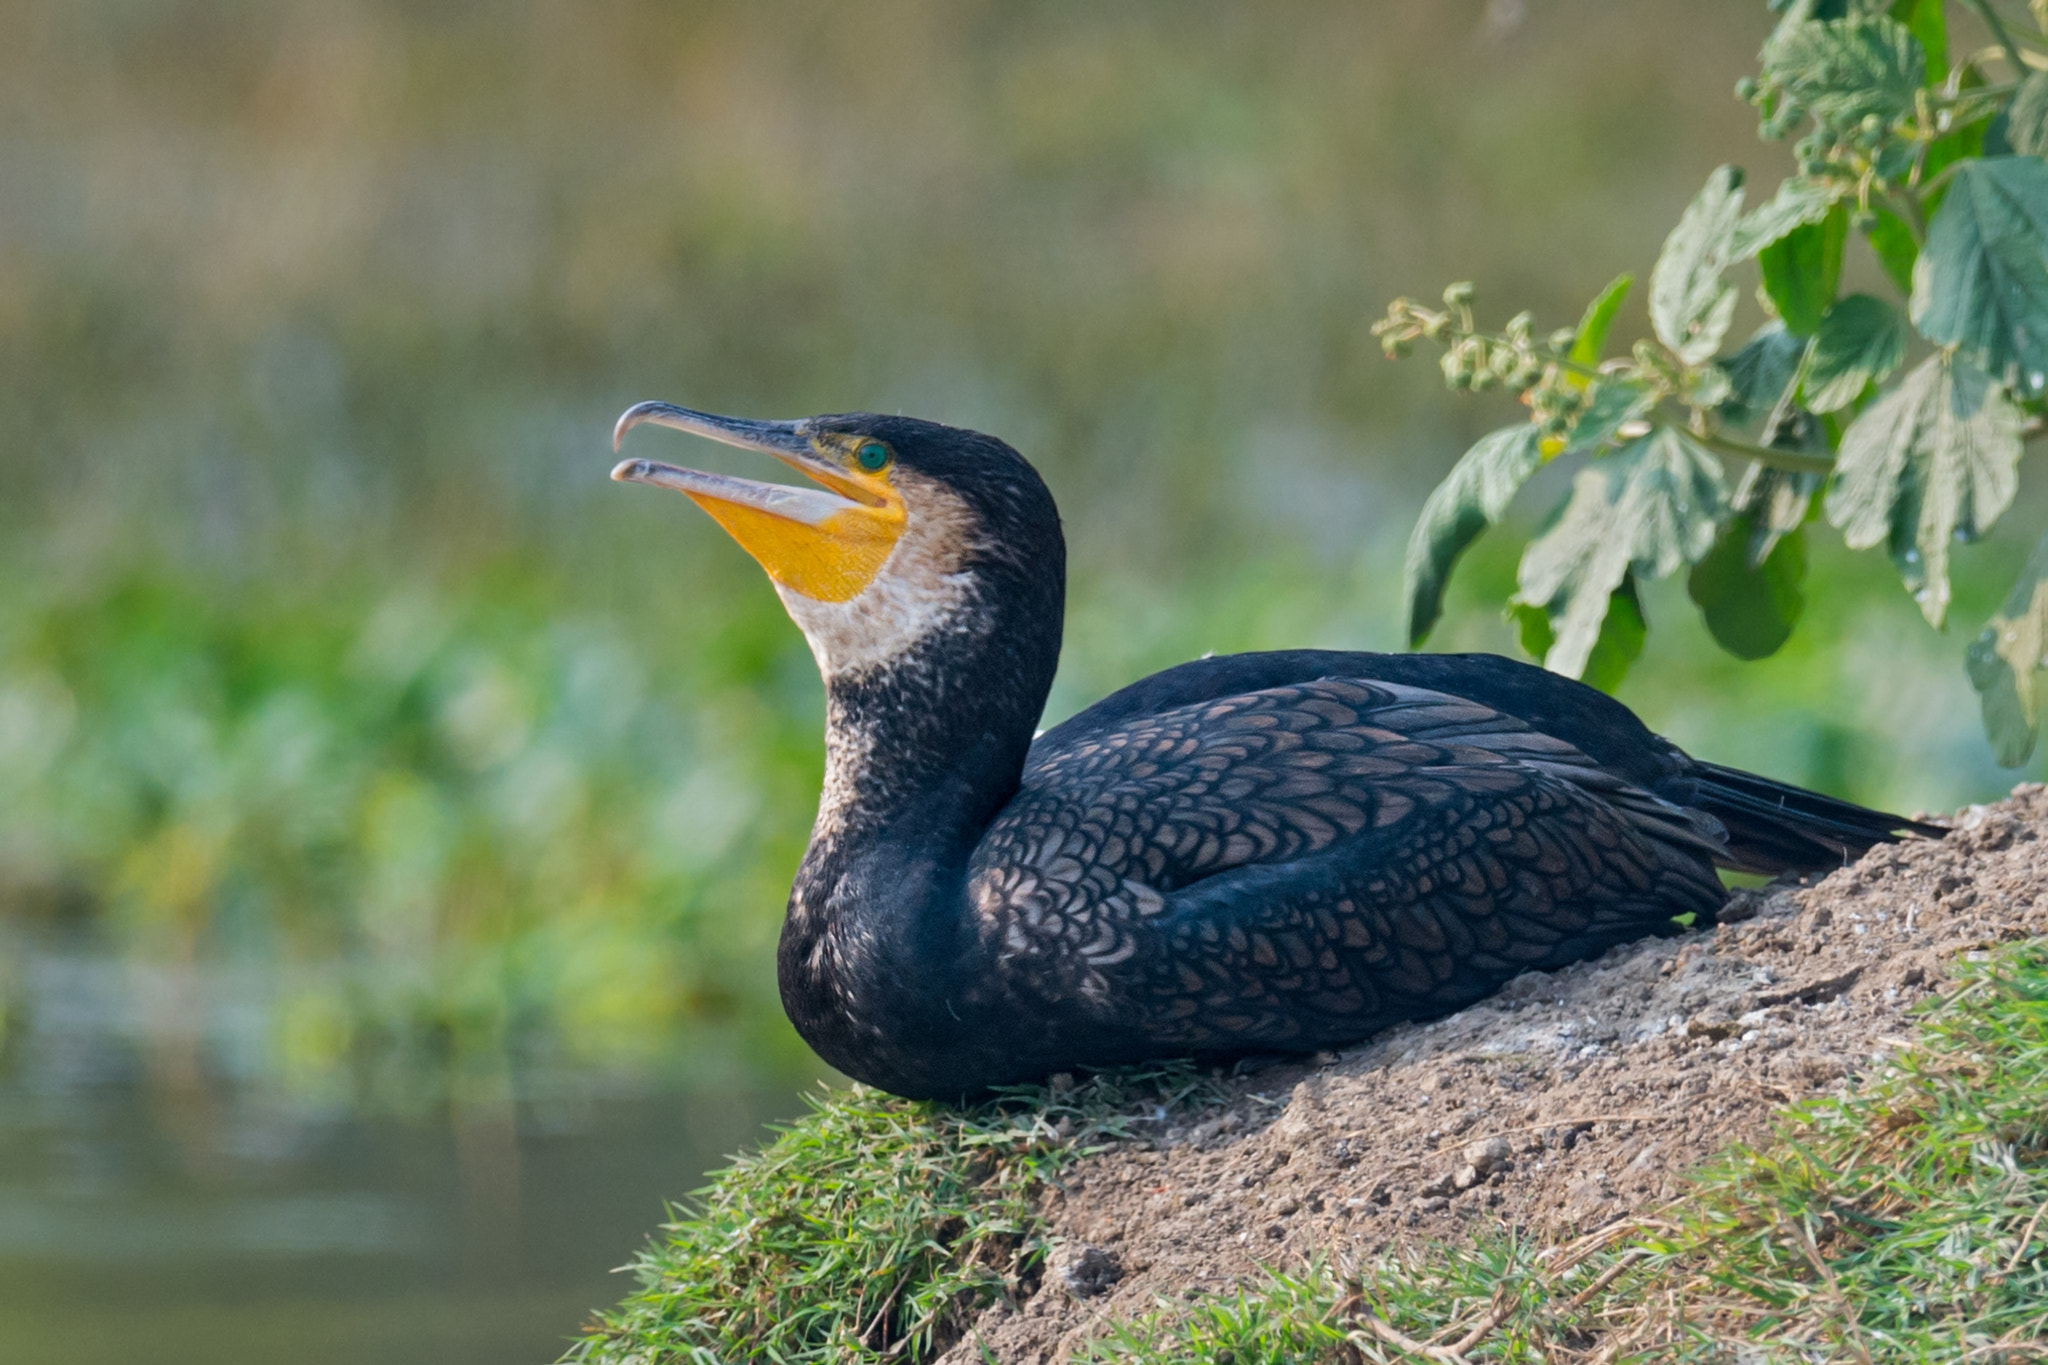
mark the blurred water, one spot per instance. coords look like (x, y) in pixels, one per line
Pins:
(159, 1202)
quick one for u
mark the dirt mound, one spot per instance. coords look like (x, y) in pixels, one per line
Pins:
(1565, 1101)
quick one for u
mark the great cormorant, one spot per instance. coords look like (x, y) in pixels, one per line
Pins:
(1250, 854)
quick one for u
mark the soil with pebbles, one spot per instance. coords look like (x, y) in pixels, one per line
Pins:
(1564, 1102)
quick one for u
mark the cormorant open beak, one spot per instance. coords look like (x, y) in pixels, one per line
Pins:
(826, 543)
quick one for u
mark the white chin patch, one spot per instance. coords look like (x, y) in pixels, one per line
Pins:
(919, 589)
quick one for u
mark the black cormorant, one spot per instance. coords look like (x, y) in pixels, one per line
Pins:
(1250, 854)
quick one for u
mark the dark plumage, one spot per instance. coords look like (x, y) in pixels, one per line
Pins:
(1257, 853)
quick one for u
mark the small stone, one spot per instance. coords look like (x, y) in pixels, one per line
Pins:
(1740, 906)
(1465, 1178)
(1086, 1271)
(1488, 1154)
(1442, 1185)
(1432, 1204)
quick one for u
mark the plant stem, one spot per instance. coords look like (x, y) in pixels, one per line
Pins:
(1941, 177)
(2000, 32)
(1907, 205)
(1567, 365)
(1791, 461)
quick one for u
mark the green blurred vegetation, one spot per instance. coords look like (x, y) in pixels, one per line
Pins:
(458, 825)
(325, 644)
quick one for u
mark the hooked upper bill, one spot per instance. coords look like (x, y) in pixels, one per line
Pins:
(826, 543)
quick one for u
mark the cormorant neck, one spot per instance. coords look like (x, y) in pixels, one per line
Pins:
(924, 748)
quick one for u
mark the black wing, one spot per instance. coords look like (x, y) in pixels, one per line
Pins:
(1304, 864)
(1771, 827)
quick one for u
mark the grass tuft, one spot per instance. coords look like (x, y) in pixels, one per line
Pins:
(873, 1228)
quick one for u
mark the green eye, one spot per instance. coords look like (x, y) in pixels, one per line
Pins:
(873, 455)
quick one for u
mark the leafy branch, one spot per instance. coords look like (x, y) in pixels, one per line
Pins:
(1902, 427)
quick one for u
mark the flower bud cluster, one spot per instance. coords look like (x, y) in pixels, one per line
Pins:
(1472, 360)
(1872, 146)
(1556, 405)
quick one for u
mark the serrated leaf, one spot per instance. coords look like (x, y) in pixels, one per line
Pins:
(1760, 372)
(2003, 660)
(1599, 316)
(1749, 607)
(1705, 387)
(1690, 304)
(1799, 11)
(2026, 118)
(1474, 496)
(1776, 501)
(1532, 630)
(1982, 281)
(1843, 70)
(1935, 458)
(1861, 339)
(1927, 21)
(1798, 201)
(1623, 631)
(1650, 507)
(1892, 242)
(1803, 268)
(1612, 404)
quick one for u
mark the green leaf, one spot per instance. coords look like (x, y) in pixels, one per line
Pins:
(2002, 662)
(1846, 69)
(1650, 507)
(1749, 607)
(1592, 334)
(1861, 340)
(1798, 201)
(1799, 11)
(1960, 144)
(1612, 404)
(1760, 373)
(1622, 633)
(1934, 459)
(1690, 304)
(1623, 630)
(1926, 21)
(1896, 250)
(1982, 282)
(2026, 118)
(1532, 629)
(1473, 497)
(1802, 269)
(1777, 500)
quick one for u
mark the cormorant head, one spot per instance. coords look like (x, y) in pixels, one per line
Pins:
(913, 528)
